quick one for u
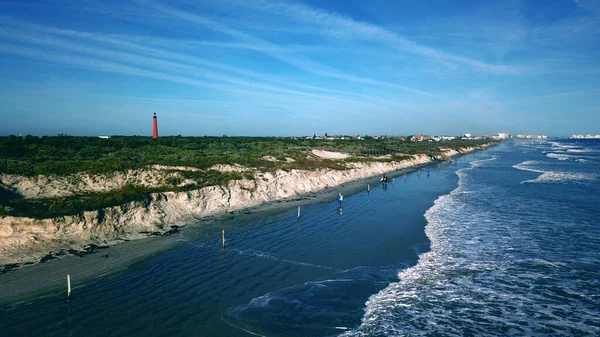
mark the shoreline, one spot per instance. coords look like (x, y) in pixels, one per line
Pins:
(97, 264)
(276, 204)
(244, 214)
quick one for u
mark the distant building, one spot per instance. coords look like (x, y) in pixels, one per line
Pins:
(420, 138)
(467, 135)
(104, 137)
(520, 136)
(503, 136)
(588, 136)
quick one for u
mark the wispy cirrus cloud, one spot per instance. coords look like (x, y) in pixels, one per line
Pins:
(268, 93)
(163, 68)
(151, 62)
(339, 26)
(276, 51)
(135, 53)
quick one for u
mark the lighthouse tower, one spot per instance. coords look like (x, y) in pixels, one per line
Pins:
(154, 127)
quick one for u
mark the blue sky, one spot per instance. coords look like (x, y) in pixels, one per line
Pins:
(258, 67)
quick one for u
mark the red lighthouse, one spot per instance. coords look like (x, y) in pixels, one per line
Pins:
(154, 127)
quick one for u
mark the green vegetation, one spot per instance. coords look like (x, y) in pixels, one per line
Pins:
(53, 207)
(65, 155)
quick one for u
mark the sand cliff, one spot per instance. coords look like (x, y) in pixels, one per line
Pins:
(28, 240)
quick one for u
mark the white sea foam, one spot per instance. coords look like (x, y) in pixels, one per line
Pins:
(478, 277)
(579, 150)
(563, 146)
(478, 163)
(558, 156)
(526, 166)
(550, 176)
(557, 176)
(381, 308)
(571, 154)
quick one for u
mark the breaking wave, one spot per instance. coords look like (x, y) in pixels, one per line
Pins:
(553, 176)
(563, 177)
(558, 156)
(564, 146)
(580, 150)
(478, 163)
(484, 275)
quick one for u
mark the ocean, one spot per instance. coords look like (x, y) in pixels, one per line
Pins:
(515, 250)
(501, 242)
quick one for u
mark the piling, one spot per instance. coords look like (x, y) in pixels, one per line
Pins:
(368, 188)
(298, 212)
(68, 285)
(223, 237)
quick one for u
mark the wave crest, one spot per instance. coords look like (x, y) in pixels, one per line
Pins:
(553, 176)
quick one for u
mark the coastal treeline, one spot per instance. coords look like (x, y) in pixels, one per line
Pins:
(64, 155)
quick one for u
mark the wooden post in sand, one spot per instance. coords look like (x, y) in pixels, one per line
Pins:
(68, 286)
(223, 237)
(298, 212)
